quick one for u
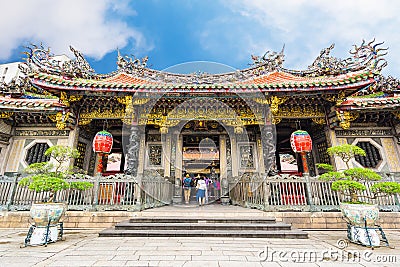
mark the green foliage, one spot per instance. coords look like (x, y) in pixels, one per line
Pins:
(44, 182)
(43, 179)
(386, 188)
(346, 152)
(361, 174)
(343, 185)
(349, 182)
(81, 185)
(39, 167)
(62, 153)
(324, 166)
(332, 176)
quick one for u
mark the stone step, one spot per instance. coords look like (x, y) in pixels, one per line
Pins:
(290, 234)
(182, 219)
(127, 225)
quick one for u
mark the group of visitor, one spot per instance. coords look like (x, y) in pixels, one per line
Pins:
(203, 185)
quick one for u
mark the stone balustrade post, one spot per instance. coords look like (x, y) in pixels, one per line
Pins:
(10, 198)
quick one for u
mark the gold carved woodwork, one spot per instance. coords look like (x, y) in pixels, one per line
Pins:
(397, 114)
(224, 114)
(300, 112)
(6, 114)
(128, 102)
(87, 117)
(276, 120)
(67, 99)
(140, 101)
(320, 120)
(345, 117)
(273, 101)
(84, 121)
(238, 130)
(60, 119)
(124, 100)
(340, 98)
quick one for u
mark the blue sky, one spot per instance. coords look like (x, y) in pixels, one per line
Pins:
(177, 31)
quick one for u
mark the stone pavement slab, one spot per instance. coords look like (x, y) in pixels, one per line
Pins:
(85, 248)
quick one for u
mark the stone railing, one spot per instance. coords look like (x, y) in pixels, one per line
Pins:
(116, 192)
(294, 193)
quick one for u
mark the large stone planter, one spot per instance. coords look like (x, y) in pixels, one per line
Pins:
(43, 213)
(358, 214)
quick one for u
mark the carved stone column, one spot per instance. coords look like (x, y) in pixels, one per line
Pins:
(142, 152)
(133, 151)
(261, 167)
(178, 170)
(178, 156)
(268, 146)
(222, 157)
(167, 154)
(234, 156)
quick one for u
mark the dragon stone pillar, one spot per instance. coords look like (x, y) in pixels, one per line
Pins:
(133, 151)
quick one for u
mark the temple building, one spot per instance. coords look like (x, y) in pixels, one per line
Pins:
(220, 125)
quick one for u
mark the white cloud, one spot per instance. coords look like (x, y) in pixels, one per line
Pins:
(306, 27)
(86, 25)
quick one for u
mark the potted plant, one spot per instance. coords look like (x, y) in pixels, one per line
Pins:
(51, 178)
(350, 184)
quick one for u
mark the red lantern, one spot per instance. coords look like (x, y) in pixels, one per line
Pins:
(300, 141)
(102, 142)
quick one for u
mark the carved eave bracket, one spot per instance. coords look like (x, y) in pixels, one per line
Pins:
(86, 117)
(128, 101)
(397, 114)
(68, 99)
(61, 119)
(345, 118)
(315, 113)
(6, 114)
(273, 101)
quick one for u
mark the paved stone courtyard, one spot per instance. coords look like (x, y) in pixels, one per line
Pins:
(85, 248)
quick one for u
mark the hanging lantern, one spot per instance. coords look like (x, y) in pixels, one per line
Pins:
(103, 142)
(301, 141)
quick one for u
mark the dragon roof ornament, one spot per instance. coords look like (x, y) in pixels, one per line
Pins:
(367, 55)
(388, 84)
(270, 60)
(41, 59)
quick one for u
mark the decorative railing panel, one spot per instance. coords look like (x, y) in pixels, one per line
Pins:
(285, 192)
(117, 192)
(124, 192)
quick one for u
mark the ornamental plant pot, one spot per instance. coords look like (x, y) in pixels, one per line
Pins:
(44, 214)
(360, 214)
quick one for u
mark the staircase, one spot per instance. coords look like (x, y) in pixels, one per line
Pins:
(202, 224)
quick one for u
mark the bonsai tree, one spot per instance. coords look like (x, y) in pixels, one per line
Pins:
(351, 181)
(48, 177)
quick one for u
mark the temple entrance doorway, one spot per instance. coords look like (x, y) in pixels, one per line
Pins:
(201, 159)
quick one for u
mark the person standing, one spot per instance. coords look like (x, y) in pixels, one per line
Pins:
(201, 191)
(187, 188)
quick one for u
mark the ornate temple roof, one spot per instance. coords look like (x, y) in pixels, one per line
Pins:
(266, 74)
(274, 81)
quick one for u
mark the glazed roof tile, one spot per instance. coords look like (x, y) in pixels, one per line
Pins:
(371, 103)
(16, 104)
(270, 81)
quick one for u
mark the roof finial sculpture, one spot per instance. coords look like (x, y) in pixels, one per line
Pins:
(39, 58)
(270, 60)
(364, 56)
(131, 65)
